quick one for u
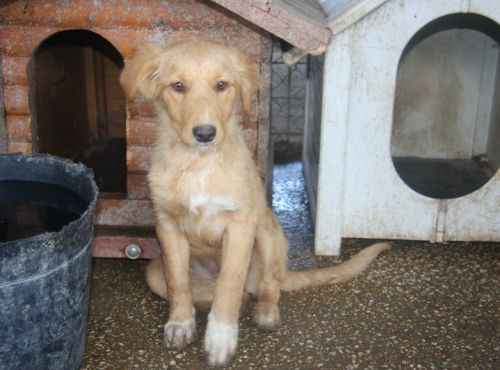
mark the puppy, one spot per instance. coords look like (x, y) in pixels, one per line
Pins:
(218, 237)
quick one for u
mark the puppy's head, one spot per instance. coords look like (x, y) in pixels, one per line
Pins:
(197, 83)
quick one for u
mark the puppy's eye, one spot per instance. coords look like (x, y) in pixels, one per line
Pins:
(178, 87)
(221, 85)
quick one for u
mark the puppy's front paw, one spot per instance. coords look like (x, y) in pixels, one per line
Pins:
(179, 334)
(267, 315)
(221, 341)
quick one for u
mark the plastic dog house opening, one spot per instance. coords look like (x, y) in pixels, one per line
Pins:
(446, 130)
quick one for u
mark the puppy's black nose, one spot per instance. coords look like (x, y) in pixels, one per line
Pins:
(204, 133)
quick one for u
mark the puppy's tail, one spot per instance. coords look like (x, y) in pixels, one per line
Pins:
(347, 270)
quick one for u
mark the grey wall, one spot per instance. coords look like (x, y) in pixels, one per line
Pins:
(493, 148)
(310, 154)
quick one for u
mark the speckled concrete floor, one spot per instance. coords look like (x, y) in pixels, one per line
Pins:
(419, 306)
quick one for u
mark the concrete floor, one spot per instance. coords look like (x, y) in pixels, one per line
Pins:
(421, 305)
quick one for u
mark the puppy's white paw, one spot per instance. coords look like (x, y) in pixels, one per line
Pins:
(179, 334)
(221, 341)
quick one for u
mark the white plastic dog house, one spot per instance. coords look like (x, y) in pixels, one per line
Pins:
(373, 119)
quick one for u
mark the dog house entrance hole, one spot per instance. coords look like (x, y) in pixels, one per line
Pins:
(78, 104)
(446, 131)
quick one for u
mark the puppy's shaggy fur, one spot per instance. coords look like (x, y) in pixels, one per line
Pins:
(218, 237)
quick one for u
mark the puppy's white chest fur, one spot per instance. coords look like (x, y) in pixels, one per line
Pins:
(210, 205)
(202, 201)
(205, 220)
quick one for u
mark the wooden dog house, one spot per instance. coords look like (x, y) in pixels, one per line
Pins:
(60, 63)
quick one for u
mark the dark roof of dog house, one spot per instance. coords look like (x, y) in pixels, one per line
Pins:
(306, 24)
(302, 23)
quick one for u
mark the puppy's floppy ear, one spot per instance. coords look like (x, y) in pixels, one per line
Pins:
(142, 74)
(248, 79)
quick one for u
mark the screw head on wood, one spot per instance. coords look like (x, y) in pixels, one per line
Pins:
(133, 251)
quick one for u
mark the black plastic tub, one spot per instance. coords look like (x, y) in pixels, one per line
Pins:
(45, 259)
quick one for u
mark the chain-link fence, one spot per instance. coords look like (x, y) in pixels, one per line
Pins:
(288, 90)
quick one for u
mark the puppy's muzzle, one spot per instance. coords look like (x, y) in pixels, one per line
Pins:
(204, 133)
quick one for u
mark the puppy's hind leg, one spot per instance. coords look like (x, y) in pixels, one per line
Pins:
(155, 278)
(201, 286)
(272, 248)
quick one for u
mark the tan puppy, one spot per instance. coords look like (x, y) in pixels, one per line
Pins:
(218, 236)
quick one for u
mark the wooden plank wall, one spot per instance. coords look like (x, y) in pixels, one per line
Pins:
(127, 25)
